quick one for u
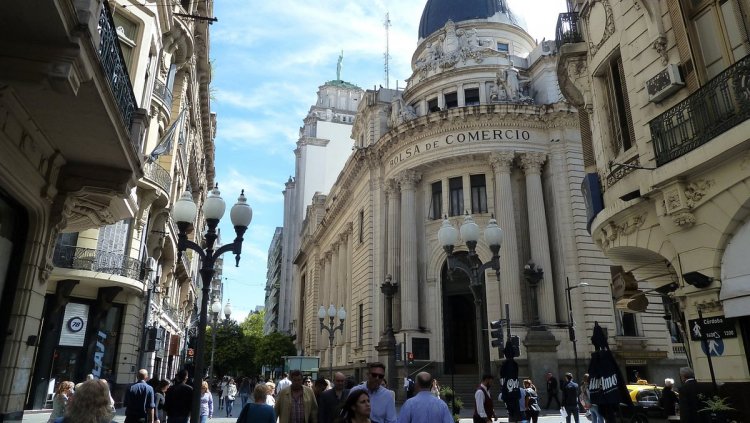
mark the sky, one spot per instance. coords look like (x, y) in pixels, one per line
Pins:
(269, 58)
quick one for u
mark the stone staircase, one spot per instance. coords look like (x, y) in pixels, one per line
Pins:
(465, 386)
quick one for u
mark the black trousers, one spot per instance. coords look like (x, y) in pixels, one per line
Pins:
(551, 397)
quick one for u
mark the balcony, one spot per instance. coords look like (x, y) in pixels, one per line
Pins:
(157, 174)
(568, 29)
(163, 93)
(114, 67)
(718, 106)
(77, 258)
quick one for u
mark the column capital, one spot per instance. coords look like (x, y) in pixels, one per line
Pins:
(349, 228)
(502, 161)
(391, 187)
(408, 179)
(532, 161)
(343, 237)
(328, 255)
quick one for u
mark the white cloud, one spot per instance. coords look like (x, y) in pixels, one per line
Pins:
(257, 190)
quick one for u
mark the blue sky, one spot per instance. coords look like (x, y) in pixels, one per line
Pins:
(269, 59)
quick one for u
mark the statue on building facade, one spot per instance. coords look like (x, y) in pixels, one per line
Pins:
(338, 66)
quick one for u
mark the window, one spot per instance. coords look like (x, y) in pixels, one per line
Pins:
(503, 47)
(362, 226)
(451, 100)
(456, 191)
(421, 348)
(674, 331)
(721, 33)
(618, 116)
(478, 194)
(361, 323)
(471, 97)
(436, 201)
(185, 4)
(432, 105)
(626, 324)
(127, 32)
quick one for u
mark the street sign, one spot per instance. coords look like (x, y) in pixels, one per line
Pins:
(714, 346)
(410, 357)
(718, 327)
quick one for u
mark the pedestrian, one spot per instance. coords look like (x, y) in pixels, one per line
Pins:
(231, 395)
(320, 386)
(178, 400)
(424, 407)
(332, 400)
(159, 399)
(244, 390)
(308, 382)
(552, 391)
(271, 398)
(357, 408)
(207, 403)
(689, 401)
(483, 409)
(60, 400)
(668, 400)
(592, 410)
(435, 388)
(296, 403)
(532, 401)
(570, 398)
(139, 400)
(258, 411)
(91, 404)
(409, 386)
(223, 391)
(522, 411)
(283, 383)
(382, 400)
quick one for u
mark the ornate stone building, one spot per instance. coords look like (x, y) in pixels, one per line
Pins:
(105, 118)
(479, 128)
(663, 87)
(273, 284)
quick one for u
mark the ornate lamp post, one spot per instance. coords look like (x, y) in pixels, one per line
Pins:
(387, 344)
(533, 275)
(227, 311)
(184, 213)
(331, 329)
(493, 235)
(572, 323)
(215, 310)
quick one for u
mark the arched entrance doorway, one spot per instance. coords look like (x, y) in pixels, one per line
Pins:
(459, 330)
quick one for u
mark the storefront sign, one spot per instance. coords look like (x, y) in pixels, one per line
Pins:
(99, 354)
(460, 138)
(718, 327)
(73, 333)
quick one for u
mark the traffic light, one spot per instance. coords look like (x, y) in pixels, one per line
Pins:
(516, 342)
(496, 333)
(410, 357)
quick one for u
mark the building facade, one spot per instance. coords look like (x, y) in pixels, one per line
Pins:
(663, 92)
(479, 129)
(322, 149)
(99, 143)
(273, 284)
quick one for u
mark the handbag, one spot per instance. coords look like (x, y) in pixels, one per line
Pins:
(563, 412)
(589, 416)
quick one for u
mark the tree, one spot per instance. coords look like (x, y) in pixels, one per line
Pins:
(253, 324)
(274, 346)
(232, 351)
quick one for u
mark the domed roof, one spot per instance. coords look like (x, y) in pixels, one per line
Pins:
(437, 12)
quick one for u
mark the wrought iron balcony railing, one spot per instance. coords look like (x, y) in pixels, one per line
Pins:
(568, 29)
(114, 66)
(158, 175)
(163, 93)
(718, 106)
(72, 257)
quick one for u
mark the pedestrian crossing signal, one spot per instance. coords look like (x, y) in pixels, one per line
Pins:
(496, 332)
(410, 357)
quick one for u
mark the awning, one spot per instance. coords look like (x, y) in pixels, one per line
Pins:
(735, 295)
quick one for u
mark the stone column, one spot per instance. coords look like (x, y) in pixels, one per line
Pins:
(343, 282)
(392, 254)
(334, 278)
(532, 163)
(409, 271)
(510, 274)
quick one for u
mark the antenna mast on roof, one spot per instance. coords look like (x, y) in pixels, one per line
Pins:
(387, 55)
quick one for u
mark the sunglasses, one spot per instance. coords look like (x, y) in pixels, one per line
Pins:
(378, 375)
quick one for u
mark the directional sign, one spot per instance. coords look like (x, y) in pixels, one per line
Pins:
(713, 346)
(718, 327)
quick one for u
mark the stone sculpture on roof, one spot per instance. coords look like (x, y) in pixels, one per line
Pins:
(453, 46)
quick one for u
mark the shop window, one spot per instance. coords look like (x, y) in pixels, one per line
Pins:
(471, 97)
(432, 105)
(436, 201)
(478, 194)
(456, 191)
(619, 116)
(451, 100)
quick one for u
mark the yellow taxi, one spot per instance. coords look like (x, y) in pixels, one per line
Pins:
(646, 407)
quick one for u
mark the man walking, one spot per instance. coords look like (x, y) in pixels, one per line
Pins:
(179, 399)
(331, 400)
(570, 398)
(689, 401)
(283, 383)
(139, 401)
(424, 407)
(296, 403)
(483, 409)
(552, 391)
(382, 400)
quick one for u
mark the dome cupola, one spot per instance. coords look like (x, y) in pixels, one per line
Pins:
(437, 12)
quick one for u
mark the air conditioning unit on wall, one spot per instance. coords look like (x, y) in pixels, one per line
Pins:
(664, 83)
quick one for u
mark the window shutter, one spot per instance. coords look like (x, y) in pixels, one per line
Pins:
(626, 102)
(588, 146)
(683, 45)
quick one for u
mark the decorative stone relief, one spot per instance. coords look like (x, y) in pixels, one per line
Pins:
(601, 24)
(612, 230)
(453, 46)
(409, 178)
(695, 191)
(400, 112)
(502, 161)
(655, 27)
(681, 198)
(532, 161)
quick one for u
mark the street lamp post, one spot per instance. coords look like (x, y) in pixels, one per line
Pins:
(215, 310)
(533, 275)
(388, 339)
(572, 324)
(493, 235)
(184, 213)
(331, 329)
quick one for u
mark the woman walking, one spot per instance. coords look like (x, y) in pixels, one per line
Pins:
(356, 409)
(532, 401)
(231, 395)
(60, 400)
(207, 403)
(159, 397)
(592, 410)
(244, 390)
(91, 404)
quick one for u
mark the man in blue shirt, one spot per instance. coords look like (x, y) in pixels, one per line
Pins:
(139, 401)
(382, 400)
(424, 407)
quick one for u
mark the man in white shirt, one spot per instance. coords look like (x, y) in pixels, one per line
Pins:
(283, 383)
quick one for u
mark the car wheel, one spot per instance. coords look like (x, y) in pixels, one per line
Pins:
(639, 419)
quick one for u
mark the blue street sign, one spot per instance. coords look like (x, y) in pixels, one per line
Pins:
(714, 345)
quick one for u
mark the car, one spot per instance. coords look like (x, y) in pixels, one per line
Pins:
(646, 408)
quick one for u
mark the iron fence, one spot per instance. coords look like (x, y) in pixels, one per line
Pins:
(568, 29)
(72, 257)
(718, 106)
(163, 93)
(159, 175)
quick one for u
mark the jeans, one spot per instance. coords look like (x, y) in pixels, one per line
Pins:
(204, 418)
(572, 412)
(230, 406)
(244, 398)
(178, 419)
(595, 416)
